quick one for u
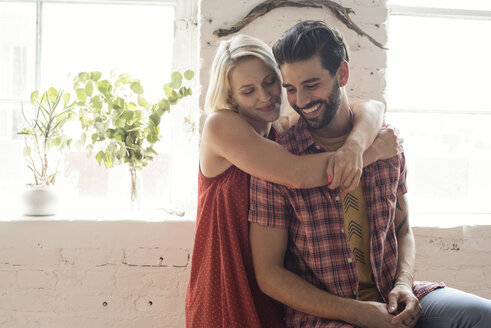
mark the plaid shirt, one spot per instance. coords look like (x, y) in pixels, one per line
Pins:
(318, 249)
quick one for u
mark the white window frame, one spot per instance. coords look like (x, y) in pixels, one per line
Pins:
(450, 13)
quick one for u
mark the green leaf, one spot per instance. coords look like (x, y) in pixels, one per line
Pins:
(34, 97)
(128, 115)
(124, 78)
(151, 138)
(82, 76)
(94, 138)
(95, 76)
(103, 86)
(120, 123)
(52, 94)
(81, 94)
(129, 140)
(188, 74)
(66, 97)
(98, 157)
(96, 102)
(164, 105)
(137, 88)
(107, 159)
(89, 88)
(176, 78)
(55, 142)
(143, 102)
(155, 119)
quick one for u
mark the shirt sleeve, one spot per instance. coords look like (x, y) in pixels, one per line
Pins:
(402, 186)
(268, 205)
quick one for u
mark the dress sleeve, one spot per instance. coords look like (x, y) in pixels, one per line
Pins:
(268, 204)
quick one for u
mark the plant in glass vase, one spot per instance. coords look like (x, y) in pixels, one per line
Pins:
(119, 124)
(43, 133)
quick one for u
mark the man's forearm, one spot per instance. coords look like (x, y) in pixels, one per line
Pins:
(405, 243)
(292, 290)
(406, 258)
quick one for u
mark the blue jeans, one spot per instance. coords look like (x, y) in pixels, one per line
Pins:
(452, 308)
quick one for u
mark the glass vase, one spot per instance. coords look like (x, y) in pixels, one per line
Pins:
(135, 188)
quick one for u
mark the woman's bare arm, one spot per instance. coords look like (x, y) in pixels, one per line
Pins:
(229, 139)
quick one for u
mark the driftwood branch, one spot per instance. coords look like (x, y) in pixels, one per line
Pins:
(342, 13)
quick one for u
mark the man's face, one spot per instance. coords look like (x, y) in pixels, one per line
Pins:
(312, 91)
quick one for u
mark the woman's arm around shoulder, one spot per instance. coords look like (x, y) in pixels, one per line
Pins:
(228, 139)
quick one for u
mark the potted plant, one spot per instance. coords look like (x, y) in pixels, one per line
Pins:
(43, 132)
(119, 125)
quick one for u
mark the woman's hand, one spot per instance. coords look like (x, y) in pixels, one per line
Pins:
(345, 167)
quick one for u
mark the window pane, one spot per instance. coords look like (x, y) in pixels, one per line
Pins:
(438, 63)
(448, 161)
(457, 4)
(130, 39)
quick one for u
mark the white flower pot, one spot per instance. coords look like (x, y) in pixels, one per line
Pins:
(40, 200)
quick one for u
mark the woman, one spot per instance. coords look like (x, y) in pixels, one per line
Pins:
(244, 98)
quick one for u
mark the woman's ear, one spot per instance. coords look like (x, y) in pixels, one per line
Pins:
(342, 73)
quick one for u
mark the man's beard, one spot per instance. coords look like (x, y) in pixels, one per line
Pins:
(329, 111)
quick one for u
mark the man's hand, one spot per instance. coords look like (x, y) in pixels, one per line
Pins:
(345, 166)
(374, 315)
(403, 296)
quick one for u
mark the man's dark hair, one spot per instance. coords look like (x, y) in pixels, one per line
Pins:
(309, 38)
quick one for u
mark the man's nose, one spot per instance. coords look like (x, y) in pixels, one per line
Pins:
(303, 99)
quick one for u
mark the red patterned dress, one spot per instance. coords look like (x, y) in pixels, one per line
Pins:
(222, 290)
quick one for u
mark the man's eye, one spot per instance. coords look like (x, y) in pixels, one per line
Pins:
(270, 82)
(311, 86)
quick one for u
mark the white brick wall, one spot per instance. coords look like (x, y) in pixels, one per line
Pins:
(134, 274)
(94, 274)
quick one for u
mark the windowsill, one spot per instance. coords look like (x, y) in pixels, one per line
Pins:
(92, 210)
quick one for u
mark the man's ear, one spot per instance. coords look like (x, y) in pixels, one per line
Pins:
(342, 74)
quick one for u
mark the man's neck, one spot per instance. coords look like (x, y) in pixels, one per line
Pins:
(340, 123)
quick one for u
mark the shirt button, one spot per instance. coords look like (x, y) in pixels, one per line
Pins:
(337, 198)
(317, 147)
(350, 260)
(354, 292)
(342, 230)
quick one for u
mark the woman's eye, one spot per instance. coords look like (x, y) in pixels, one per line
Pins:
(248, 92)
(290, 90)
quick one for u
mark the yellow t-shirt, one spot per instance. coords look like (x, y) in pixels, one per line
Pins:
(356, 227)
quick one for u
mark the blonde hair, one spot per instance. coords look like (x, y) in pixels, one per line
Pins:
(229, 53)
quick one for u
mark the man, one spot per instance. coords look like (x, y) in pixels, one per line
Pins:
(335, 258)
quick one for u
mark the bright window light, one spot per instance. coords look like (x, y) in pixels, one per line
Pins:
(438, 90)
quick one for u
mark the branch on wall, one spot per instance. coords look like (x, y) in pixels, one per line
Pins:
(342, 13)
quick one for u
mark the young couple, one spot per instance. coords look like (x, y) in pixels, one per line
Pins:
(333, 245)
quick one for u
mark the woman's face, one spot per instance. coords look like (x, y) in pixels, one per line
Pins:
(255, 90)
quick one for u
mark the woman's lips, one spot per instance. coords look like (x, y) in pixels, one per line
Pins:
(268, 108)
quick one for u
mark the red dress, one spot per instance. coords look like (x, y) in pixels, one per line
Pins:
(222, 290)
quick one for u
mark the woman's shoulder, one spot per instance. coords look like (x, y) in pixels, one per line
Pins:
(224, 119)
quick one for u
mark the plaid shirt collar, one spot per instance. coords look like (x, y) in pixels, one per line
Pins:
(303, 139)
